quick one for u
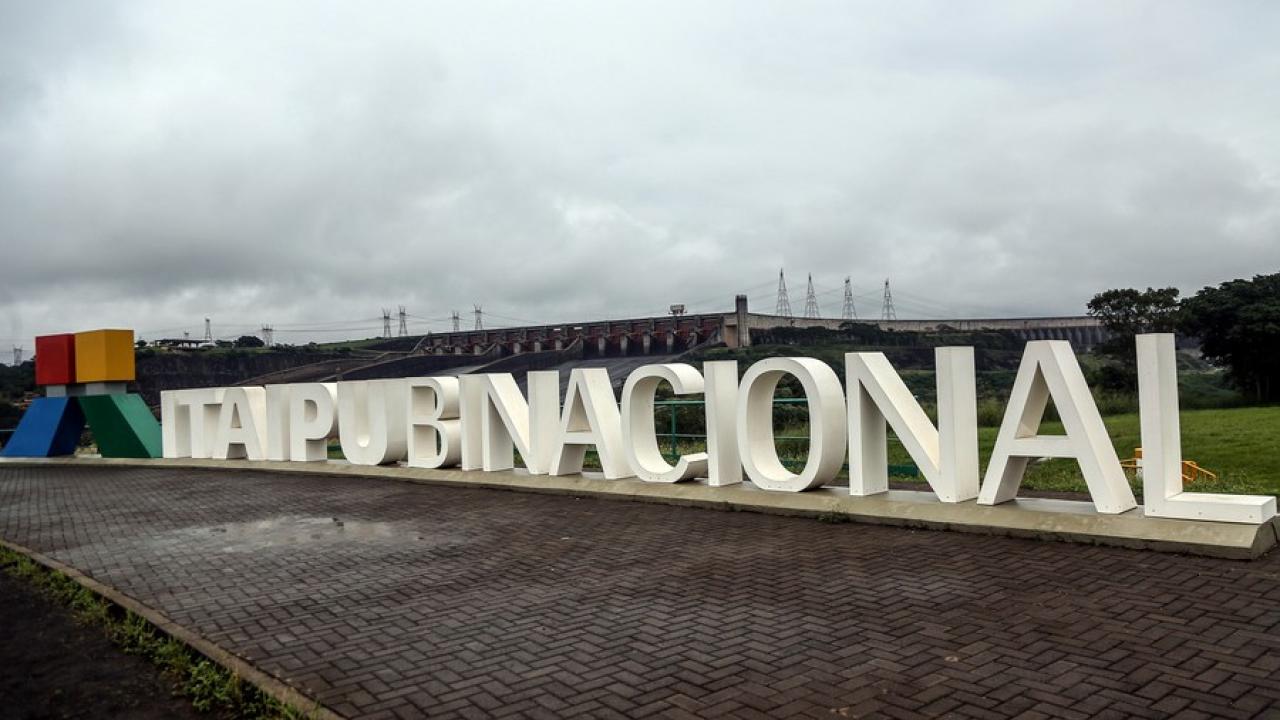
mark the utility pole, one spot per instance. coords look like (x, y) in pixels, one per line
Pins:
(811, 301)
(886, 309)
(848, 312)
(457, 321)
(479, 313)
(208, 331)
(386, 323)
(404, 326)
(784, 302)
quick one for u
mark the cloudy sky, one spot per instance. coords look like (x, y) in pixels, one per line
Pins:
(306, 164)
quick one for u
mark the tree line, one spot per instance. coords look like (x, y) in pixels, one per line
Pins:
(1237, 325)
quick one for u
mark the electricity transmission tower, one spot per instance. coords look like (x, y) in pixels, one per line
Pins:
(17, 355)
(386, 323)
(404, 325)
(784, 302)
(268, 335)
(810, 301)
(457, 321)
(479, 313)
(208, 331)
(849, 312)
(886, 309)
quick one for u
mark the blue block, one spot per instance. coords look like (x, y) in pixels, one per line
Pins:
(51, 426)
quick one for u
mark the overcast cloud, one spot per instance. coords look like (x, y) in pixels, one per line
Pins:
(306, 163)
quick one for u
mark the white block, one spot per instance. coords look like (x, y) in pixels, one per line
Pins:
(371, 425)
(277, 422)
(313, 414)
(590, 418)
(827, 438)
(878, 399)
(242, 424)
(497, 420)
(641, 440)
(189, 421)
(435, 432)
(1162, 491)
(720, 388)
(1049, 369)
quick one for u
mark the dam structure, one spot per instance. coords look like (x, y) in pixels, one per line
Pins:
(622, 345)
(675, 334)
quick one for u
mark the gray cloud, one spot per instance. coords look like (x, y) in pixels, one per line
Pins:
(304, 163)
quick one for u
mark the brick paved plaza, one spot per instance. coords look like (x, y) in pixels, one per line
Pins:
(385, 599)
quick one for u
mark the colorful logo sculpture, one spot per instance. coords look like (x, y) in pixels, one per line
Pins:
(85, 377)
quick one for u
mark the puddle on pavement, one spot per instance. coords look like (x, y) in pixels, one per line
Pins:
(292, 531)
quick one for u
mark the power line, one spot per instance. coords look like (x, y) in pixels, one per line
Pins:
(886, 308)
(811, 301)
(784, 301)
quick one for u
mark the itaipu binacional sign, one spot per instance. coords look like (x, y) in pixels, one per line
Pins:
(478, 422)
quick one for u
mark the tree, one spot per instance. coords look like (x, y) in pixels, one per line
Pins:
(249, 341)
(1238, 324)
(1124, 313)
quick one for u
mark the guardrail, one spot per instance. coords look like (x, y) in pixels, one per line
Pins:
(674, 436)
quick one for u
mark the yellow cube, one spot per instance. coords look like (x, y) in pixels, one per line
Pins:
(104, 356)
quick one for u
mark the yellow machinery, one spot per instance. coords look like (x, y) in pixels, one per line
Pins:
(1191, 472)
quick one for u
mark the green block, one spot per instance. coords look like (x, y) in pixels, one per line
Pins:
(122, 426)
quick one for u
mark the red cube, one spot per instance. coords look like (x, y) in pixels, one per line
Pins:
(56, 359)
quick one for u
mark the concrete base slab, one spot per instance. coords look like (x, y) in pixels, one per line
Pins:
(1038, 518)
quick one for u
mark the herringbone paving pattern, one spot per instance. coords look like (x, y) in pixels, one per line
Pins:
(390, 600)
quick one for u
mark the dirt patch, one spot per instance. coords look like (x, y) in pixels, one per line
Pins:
(56, 667)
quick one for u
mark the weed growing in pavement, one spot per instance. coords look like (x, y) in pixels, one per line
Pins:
(206, 684)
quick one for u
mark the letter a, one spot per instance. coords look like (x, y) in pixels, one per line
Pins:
(1049, 369)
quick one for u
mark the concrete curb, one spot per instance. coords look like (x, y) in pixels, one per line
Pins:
(267, 683)
(1037, 518)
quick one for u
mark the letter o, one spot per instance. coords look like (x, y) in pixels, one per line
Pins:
(827, 431)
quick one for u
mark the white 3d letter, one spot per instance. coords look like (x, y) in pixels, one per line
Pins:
(640, 439)
(590, 417)
(497, 421)
(242, 424)
(277, 430)
(434, 439)
(1049, 369)
(826, 424)
(312, 414)
(1162, 494)
(189, 421)
(724, 466)
(947, 455)
(371, 424)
